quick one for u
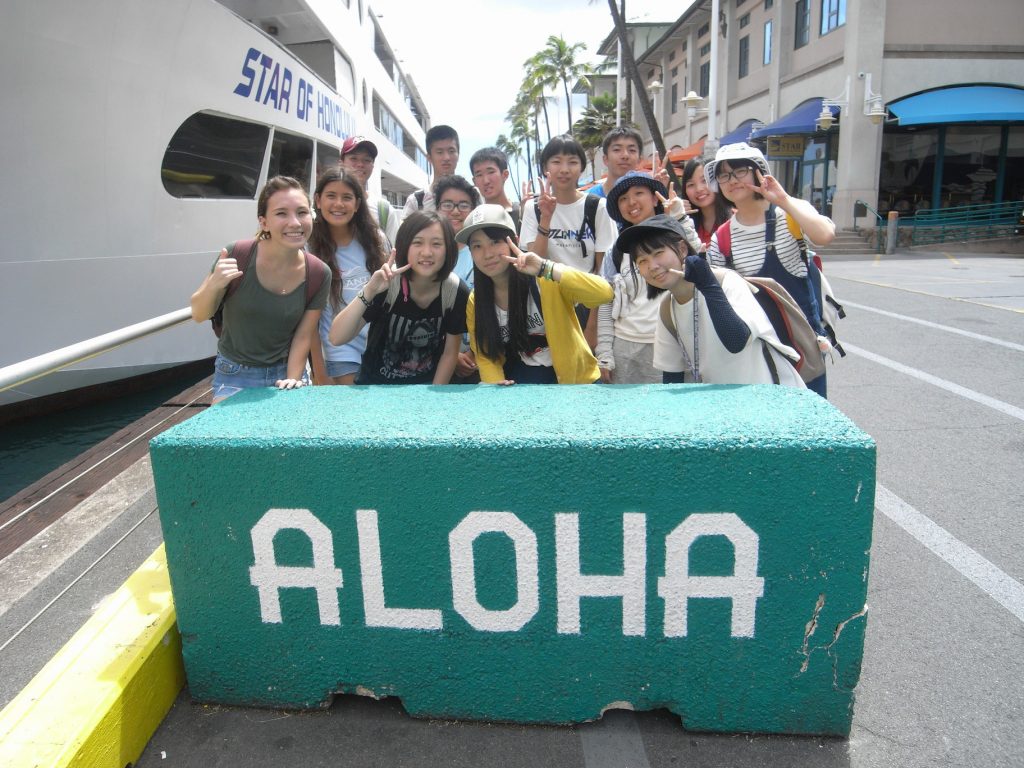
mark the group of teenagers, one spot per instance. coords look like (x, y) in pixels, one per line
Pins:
(629, 282)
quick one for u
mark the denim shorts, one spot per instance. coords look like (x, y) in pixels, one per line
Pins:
(230, 377)
(336, 368)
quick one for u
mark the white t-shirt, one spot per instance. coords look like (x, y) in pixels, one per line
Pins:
(717, 364)
(534, 327)
(565, 225)
(633, 315)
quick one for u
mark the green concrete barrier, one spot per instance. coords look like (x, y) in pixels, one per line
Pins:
(529, 554)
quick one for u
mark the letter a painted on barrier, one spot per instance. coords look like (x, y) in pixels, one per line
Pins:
(677, 586)
(268, 577)
(630, 586)
(464, 591)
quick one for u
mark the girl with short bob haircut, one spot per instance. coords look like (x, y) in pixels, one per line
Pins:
(715, 332)
(346, 236)
(270, 314)
(625, 327)
(760, 241)
(522, 322)
(415, 307)
(708, 209)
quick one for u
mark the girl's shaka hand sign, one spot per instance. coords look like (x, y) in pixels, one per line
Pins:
(225, 271)
(524, 261)
(380, 279)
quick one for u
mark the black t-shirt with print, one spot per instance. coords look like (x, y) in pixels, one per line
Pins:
(403, 346)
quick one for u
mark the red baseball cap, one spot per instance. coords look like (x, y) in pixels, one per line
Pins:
(354, 142)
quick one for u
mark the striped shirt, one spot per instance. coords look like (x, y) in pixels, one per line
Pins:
(748, 248)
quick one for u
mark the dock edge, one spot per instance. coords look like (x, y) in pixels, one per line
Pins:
(99, 700)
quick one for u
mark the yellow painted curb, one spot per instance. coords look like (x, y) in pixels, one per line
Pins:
(99, 700)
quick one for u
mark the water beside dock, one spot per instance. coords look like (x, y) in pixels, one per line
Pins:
(32, 448)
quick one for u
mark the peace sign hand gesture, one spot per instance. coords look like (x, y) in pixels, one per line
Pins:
(526, 262)
(673, 205)
(661, 170)
(770, 188)
(546, 202)
(380, 279)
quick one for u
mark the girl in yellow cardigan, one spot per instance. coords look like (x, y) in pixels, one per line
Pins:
(521, 320)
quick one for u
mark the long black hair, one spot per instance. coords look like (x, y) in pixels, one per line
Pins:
(364, 230)
(487, 331)
(722, 211)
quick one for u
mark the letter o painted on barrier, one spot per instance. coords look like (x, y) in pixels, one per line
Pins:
(464, 593)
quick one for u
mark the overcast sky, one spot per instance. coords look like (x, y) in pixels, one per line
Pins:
(469, 78)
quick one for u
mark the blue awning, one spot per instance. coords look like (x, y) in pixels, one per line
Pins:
(961, 104)
(800, 120)
(740, 133)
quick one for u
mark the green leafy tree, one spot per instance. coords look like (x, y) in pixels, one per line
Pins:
(556, 64)
(596, 120)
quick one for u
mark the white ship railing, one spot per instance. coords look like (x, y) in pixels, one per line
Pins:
(43, 365)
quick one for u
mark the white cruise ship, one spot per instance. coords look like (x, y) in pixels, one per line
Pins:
(135, 135)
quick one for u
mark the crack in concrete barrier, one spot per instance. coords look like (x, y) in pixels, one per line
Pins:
(809, 630)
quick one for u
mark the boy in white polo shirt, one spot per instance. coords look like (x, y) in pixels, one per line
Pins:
(566, 225)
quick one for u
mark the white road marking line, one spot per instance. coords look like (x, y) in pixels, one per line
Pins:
(893, 287)
(949, 386)
(1002, 588)
(614, 741)
(937, 326)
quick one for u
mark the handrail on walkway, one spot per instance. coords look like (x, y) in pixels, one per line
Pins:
(36, 367)
(880, 223)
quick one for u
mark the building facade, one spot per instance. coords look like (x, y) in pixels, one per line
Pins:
(926, 98)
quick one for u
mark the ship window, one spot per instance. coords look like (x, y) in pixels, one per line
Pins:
(213, 156)
(291, 156)
(326, 157)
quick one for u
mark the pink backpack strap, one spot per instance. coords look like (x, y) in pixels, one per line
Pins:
(724, 235)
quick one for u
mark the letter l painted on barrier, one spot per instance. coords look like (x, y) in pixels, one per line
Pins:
(377, 613)
(573, 585)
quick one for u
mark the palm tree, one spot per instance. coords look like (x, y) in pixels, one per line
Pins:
(533, 90)
(519, 116)
(513, 153)
(556, 64)
(596, 120)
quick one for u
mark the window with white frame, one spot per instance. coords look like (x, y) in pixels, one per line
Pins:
(767, 59)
